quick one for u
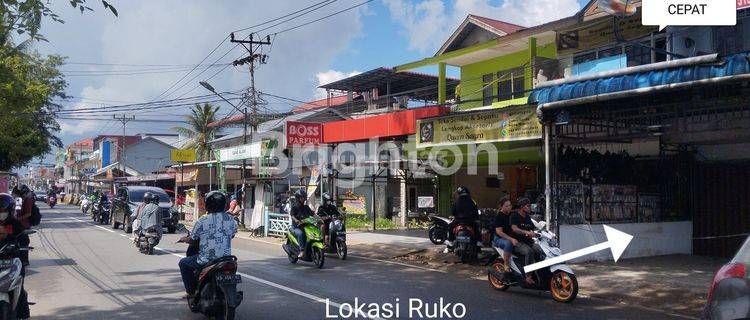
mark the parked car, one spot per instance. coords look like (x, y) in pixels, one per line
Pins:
(127, 199)
(729, 295)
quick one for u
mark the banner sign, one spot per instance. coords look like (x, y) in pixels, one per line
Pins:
(183, 155)
(248, 151)
(601, 34)
(497, 125)
(300, 134)
(425, 202)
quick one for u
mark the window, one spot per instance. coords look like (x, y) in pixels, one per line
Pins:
(487, 90)
(518, 87)
(581, 58)
(731, 40)
(611, 52)
(638, 55)
(511, 85)
(660, 44)
(504, 90)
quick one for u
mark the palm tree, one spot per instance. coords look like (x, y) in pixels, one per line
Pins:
(199, 132)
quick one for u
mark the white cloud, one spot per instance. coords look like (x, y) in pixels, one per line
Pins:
(183, 32)
(428, 23)
(328, 77)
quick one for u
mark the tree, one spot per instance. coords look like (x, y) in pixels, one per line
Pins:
(28, 83)
(199, 132)
(24, 17)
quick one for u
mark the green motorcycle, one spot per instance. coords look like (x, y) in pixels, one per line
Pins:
(314, 248)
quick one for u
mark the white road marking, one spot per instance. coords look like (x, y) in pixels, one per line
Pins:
(249, 277)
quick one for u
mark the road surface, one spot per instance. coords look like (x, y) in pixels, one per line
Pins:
(83, 271)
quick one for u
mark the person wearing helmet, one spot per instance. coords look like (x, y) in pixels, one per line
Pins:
(464, 211)
(327, 211)
(299, 212)
(11, 231)
(24, 216)
(522, 229)
(214, 232)
(150, 215)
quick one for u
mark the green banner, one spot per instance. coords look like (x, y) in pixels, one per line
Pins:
(506, 124)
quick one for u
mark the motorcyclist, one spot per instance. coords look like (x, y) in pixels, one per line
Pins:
(24, 216)
(299, 212)
(327, 211)
(148, 215)
(465, 212)
(522, 229)
(214, 232)
(11, 231)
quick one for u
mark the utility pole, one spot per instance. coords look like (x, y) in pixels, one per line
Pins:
(124, 119)
(250, 60)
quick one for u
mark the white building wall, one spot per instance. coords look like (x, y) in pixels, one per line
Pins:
(649, 239)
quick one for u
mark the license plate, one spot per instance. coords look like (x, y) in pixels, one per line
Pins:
(6, 263)
(228, 279)
(462, 238)
(341, 233)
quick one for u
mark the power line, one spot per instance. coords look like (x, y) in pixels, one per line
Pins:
(282, 17)
(324, 17)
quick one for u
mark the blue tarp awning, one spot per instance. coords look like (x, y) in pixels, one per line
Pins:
(732, 65)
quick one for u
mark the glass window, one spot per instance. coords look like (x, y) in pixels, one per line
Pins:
(137, 195)
(610, 52)
(504, 90)
(581, 58)
(660, 44)
(487, 90)
(638, 55)
(518, 87)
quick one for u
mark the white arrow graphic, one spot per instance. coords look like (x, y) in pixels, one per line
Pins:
(617, 241)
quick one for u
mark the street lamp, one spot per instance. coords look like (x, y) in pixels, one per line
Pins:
(209, 87)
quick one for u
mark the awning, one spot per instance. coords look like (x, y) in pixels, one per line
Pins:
(640, 79)
(116, 165)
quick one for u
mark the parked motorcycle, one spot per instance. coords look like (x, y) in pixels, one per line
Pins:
(313, 250)
(337, 238)
(148, 240)
(216, 295)
(438, 231)
(559, 279)
(52, 201)
(11, 278)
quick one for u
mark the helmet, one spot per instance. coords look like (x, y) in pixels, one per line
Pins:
(154, 198)
(301, 193)
(148, 197)
(462, 191)
(327, 197)
(233, 197)
(215, 201)
(21, 189)
(7, 203)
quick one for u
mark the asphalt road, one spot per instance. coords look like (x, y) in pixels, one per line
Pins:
(82, 271)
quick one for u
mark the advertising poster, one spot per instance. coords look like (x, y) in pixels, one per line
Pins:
(492, 126)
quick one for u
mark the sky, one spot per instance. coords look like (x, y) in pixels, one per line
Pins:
(172, 35)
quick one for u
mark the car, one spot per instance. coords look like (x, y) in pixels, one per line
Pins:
(128, 198)
(41, 196)
(729, 295)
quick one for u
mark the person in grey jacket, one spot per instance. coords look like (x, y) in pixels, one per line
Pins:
(150, 215)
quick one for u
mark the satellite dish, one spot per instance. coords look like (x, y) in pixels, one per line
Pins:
(620, 8)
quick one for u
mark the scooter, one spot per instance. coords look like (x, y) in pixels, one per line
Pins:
(559, 279)
(337, 238)
(216, 295)
(438, 231)
(101, 212)
(463, 246)
(313, 250)
(148, 240)
(85, 205)
(11, 278)
(52, 201)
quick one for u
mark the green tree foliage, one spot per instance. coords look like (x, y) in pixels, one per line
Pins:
(28, 83)
(199, 132)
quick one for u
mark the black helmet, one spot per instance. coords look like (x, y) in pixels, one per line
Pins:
(301, 193)
(327, 197)
(216, 201)
(154, 198)
(7, 203)
(462, 191)
(148, 197)
(21, 189)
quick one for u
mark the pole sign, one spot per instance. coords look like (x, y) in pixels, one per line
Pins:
(248, 151)
(183, 155)
(299, 134)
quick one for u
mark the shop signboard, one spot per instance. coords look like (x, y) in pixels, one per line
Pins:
(505, 124)
(601, 34)
(183, 155)
(425, 202)
(354, 206)
(300, 134)
(243, 152)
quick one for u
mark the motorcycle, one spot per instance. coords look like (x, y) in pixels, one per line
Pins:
(52, 201)
(559, 279)
(314, 248)
(438, 231)
(337, 238)
(463, 246)
(216, 295)
(101, 212)
(11, 278)
(147, 240)
(85, 205)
